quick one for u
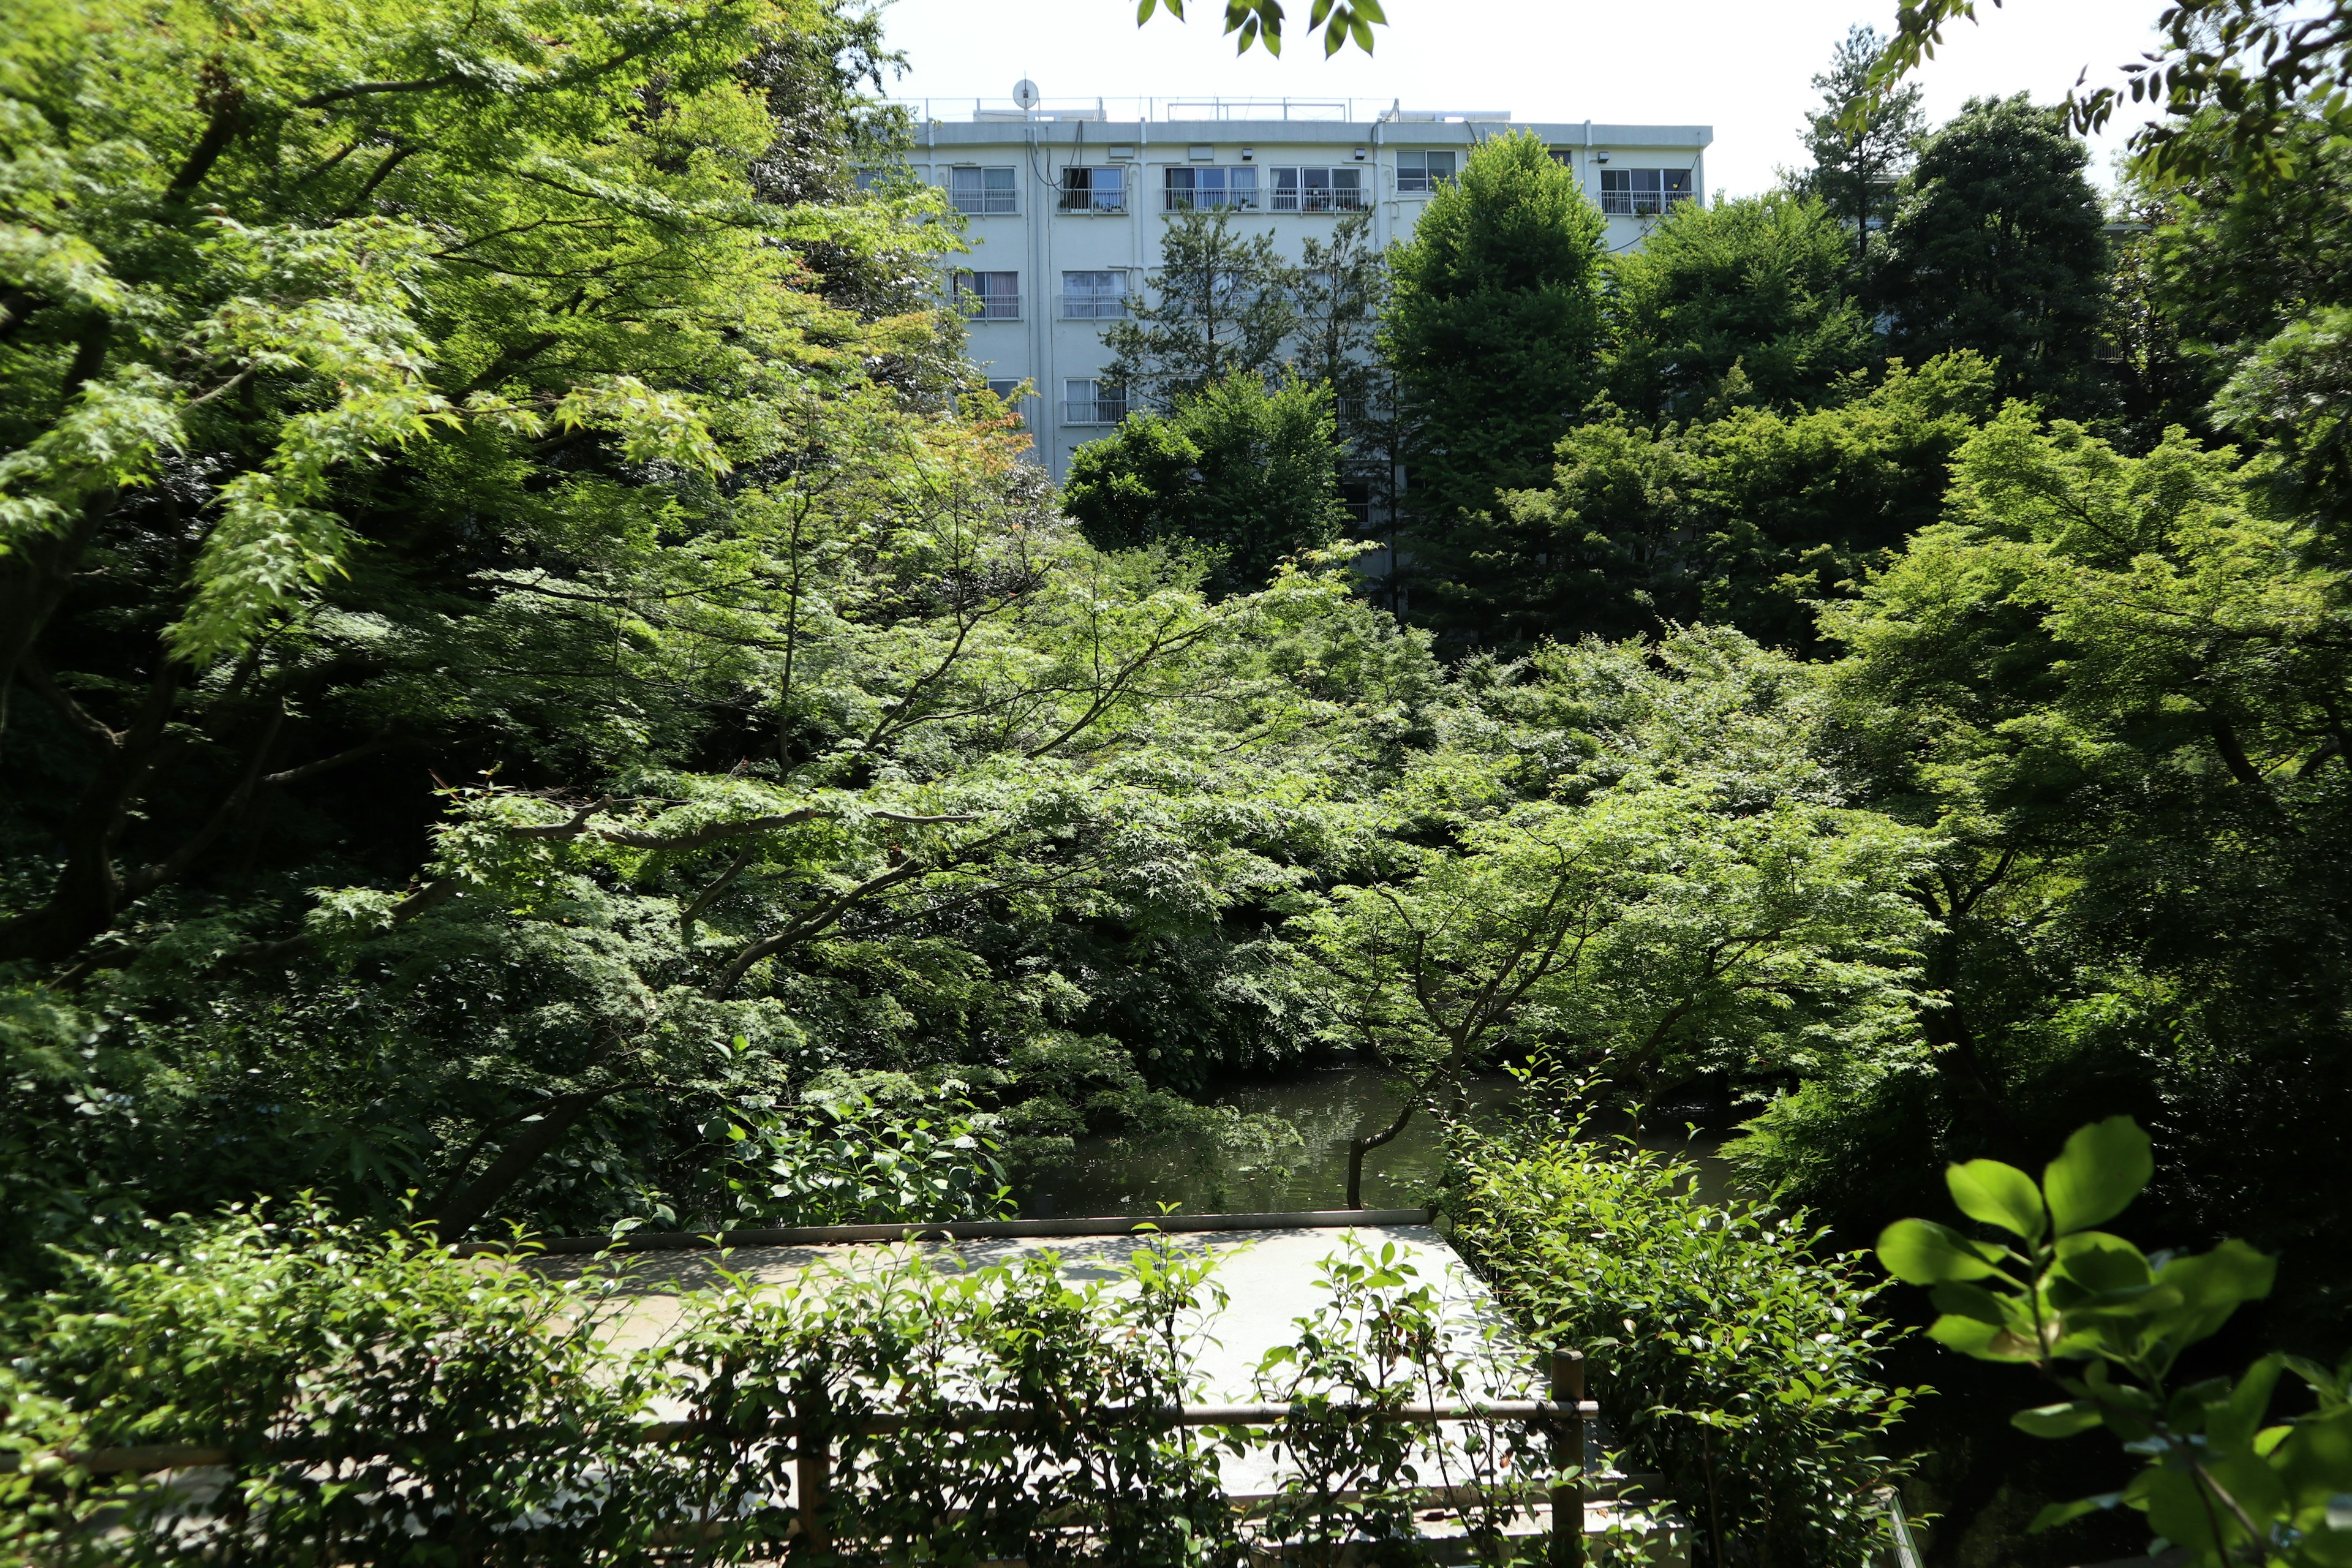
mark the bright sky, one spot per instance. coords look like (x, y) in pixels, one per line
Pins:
(1745, 66)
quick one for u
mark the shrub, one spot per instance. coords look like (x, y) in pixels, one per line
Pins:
(361, 1399)
(844, 1159)
(1732, 1355)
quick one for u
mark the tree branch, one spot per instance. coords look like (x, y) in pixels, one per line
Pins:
(75, 714)
(174, 864)
(228, 111)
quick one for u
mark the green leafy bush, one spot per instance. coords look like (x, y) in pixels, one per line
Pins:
(327, 1395)
(379, 1400)
(1382, 1339)
(2223, 1483)
(845, 1159)
(1733, 1356)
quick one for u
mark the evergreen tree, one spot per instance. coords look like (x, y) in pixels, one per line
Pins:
(1220, 305)
(1861, 140)
(1997, 246)
(1758, 284)
(1340, 286)
(1751, 520)
(1492, 329)
(1250, 473)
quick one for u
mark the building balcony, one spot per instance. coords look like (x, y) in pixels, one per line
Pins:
(1094, 410)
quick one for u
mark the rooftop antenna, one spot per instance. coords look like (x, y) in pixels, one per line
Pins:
(1026, 93)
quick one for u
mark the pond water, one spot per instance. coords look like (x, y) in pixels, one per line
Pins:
(1328, 1106)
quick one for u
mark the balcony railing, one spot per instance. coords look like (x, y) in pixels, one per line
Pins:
(1094, 410)
(1093, 307)
(1639, 204)
(989, 306)
(986, 204)
(1094, 201)
(1320, 201)
(1212, 201)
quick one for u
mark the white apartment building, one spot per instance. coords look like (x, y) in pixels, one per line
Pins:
(1064, 207)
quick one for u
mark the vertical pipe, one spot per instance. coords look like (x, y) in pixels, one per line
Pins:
(1567, 1455)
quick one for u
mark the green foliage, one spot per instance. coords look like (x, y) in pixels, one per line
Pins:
(1997, 246)
(1657, 927)
(1219, 311)
(410, 1394)
(845, 1159)
(1740, 301)
(679, 701)
(2291, 396)
(2254, 69)
(1249, 22)
(2221, 1482)
(2236, 257)
(1749, 519)
(1339, 287)
(1493, 332)
(2107, 685)
(372, 1397)
(1383, 1340)
(1246, 474)
(1623, 855)
(1861, 140)
(1734, 1356)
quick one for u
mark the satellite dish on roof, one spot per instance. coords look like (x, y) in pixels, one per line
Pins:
(1026, 93)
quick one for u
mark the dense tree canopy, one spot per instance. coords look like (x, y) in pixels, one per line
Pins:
(1997, 246)
(1493, 329)
(1749, 518)
(1740, 301)
(507, 439)
(1250, 475)
(536, 691)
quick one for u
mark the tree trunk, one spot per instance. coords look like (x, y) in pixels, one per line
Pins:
(460, 1213)
(1358, 1147)
(88, 893)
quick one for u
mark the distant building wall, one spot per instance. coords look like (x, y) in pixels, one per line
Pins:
(1054, 253)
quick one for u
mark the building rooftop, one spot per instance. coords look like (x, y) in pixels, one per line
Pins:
(1328, 110)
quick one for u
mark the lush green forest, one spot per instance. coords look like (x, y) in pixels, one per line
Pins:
(539, 691)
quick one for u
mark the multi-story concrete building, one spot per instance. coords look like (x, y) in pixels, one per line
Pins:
(1065, 204)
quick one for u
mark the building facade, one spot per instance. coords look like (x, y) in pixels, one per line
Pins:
(1064, 207)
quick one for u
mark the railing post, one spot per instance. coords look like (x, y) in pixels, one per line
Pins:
(812, 1462)
(1567, 1455)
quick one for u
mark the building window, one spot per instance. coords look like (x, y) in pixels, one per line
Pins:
(1211, 190)
(1319, 190)
(1090, 400)
(981, 191)
(1010, 391)
(1094, 296)
(1642, 192)
(1094, 189)
(988, 296)
(1424, 171)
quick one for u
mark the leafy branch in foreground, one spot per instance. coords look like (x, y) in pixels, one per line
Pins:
(2219, 1482)
(1252, 20)
(2260, 63)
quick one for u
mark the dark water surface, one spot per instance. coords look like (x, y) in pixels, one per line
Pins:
(1328, 1107)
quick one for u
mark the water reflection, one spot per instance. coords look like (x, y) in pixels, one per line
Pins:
(1328, 1107)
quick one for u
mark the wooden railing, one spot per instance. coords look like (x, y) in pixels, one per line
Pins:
(1565, 1413)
